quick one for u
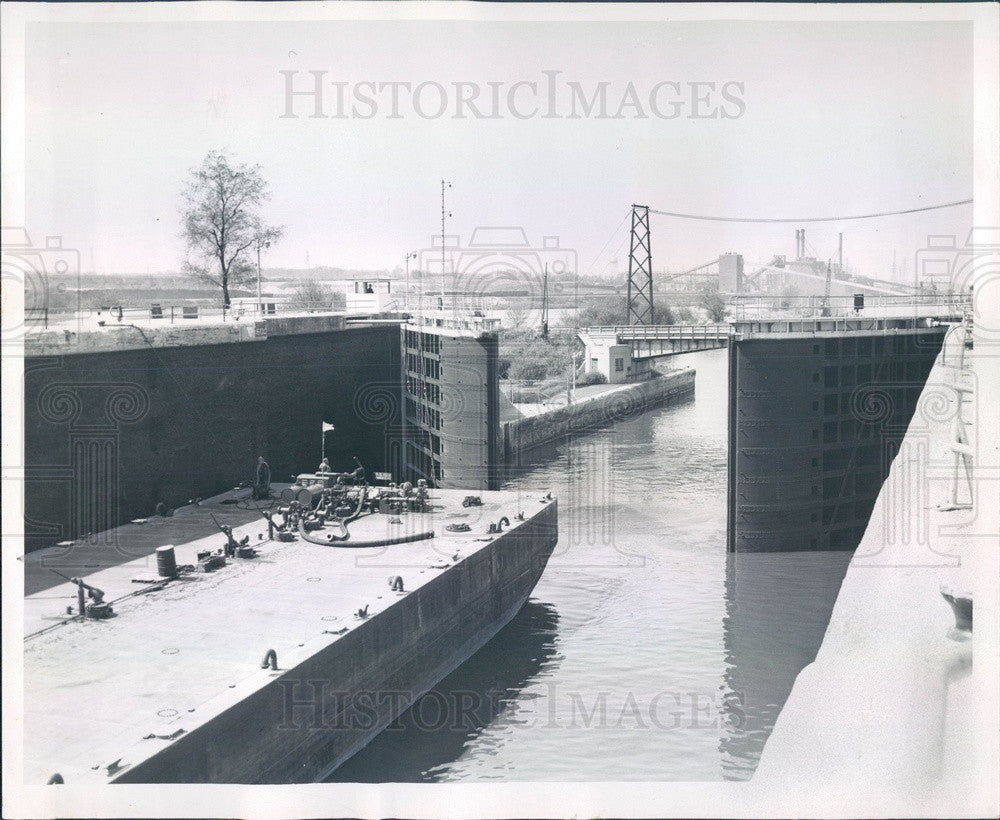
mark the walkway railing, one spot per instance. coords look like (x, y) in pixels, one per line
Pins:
(923, 304)
(36, 317)
(157, 314)
(879, 315)
(690, 331)
(812, 325)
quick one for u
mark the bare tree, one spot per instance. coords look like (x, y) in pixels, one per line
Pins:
(517, 316)
(222, 225)
(312, 296)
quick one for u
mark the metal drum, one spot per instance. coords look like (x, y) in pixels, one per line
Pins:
(166, 561)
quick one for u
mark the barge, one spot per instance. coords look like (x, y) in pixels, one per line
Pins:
(271, 651)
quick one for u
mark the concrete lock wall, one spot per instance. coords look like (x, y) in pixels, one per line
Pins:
(308, 719)
(615, 405)
(108, 435)
(814, 424)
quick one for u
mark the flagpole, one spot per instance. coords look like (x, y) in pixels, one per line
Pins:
(327, 428)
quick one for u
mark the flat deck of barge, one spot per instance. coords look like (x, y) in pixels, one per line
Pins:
(104, 696)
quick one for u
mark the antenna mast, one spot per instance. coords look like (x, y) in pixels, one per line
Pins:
(545, 303)
(444, 215)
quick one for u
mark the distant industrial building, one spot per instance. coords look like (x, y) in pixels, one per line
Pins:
(731, 273)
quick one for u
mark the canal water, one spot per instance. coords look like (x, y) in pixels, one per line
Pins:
(646, 652)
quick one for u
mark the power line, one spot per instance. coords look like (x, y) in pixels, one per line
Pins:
(614, 233)
(811, 219)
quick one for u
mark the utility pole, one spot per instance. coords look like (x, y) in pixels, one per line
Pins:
(840, 252)
(260, 244)
(444, 215)
(545, 303)
(406, 298)
(571, 382)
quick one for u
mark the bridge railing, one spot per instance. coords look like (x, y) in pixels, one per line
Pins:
(689, 331)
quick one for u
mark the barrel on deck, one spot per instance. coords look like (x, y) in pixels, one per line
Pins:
(166, 561)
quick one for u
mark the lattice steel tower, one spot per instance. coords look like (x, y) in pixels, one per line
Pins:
(639, 310)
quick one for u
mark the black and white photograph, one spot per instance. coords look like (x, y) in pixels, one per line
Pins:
(487, 410)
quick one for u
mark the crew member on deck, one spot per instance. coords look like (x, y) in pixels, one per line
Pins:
(262, 479)
(324, 466)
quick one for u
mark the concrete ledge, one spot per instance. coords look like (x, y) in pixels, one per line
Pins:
(619, 404)
(884, 722)
(71, 338)
(66, 342)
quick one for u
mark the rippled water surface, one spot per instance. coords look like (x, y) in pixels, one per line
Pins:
(645, 652)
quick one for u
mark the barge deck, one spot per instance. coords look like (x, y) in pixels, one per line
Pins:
(172, 687)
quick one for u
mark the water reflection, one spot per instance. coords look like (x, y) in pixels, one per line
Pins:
(777, 609)
(436, 729)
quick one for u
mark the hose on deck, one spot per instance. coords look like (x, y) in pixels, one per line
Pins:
(344, 534)
(372, 542)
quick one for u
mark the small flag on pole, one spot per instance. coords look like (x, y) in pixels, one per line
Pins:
(326, 429)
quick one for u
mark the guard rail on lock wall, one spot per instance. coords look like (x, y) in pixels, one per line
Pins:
(918, 304)
(156, 314)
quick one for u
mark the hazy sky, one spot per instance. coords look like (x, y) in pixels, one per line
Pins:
(837, 118)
